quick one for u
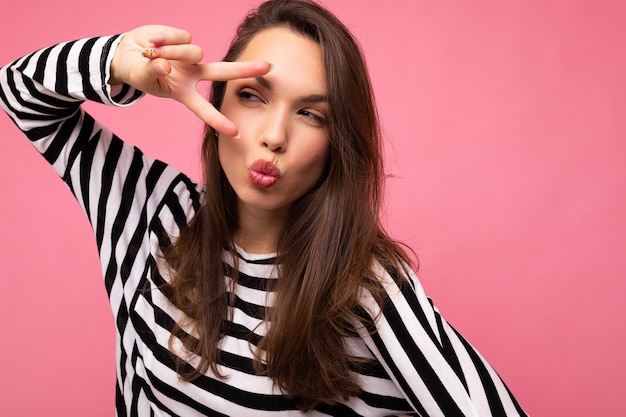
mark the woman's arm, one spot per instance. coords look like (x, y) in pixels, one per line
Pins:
(42, 93)
(438, 371)
(118, 187)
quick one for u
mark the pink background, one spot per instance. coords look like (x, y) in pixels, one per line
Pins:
(505, 124)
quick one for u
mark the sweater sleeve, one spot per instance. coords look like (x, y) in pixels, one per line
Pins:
(120, 189)
(437, 370)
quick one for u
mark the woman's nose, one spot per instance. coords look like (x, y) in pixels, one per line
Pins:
(274, 135)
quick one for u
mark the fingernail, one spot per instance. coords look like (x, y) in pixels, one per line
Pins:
(237, 136)
(150, 53)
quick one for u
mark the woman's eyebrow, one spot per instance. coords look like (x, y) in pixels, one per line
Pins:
(314, 98)
(311, 98)
(264, 82)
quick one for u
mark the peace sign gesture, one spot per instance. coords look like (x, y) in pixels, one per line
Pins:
(162, 61)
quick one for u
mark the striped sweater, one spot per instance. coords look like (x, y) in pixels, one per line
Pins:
(420, 364)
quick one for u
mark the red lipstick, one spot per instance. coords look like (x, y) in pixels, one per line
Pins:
(263, 173)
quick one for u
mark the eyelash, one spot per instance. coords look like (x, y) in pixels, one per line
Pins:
(248, 96)
(312, 116)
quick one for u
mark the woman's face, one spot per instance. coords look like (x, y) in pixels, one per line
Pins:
(283, 149)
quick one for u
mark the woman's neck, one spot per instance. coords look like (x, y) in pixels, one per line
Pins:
(259, 230)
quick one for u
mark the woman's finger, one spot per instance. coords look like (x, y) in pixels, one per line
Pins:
(209, 114)
(166, 35)
(186, 53)
(157, 68)
(225, 71)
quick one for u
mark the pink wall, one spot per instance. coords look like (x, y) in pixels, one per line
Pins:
(506, 130)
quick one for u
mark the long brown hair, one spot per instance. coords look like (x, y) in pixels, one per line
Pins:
(332, 237)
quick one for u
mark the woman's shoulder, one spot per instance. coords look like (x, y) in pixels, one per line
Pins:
(395, 275)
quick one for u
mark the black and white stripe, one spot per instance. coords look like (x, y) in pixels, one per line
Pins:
(422, 367)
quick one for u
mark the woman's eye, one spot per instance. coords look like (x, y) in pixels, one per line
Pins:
(246, 95)
(314, 117)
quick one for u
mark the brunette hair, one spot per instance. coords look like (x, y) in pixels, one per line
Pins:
(327, 249)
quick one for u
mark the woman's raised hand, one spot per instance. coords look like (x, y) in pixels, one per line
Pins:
(161, 61)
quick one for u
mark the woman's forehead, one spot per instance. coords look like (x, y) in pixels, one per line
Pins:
(296, 61)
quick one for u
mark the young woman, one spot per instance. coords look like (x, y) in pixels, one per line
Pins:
(272, 289)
